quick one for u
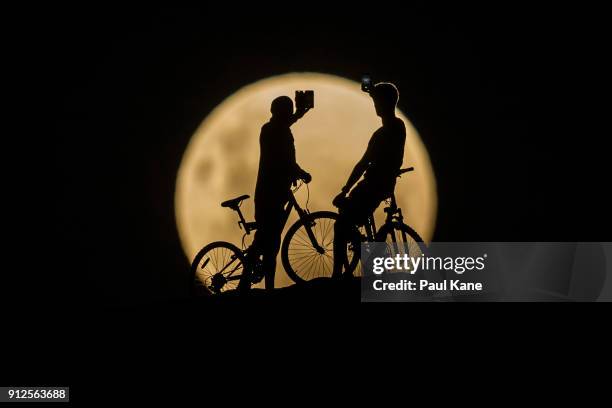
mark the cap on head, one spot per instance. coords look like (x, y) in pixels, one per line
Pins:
(282, 107)
(386, 94)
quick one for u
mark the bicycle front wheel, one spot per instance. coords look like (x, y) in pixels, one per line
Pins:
(308, 248)
(401, 240)
(217, 268)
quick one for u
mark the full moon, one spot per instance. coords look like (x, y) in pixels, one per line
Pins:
(222, 158)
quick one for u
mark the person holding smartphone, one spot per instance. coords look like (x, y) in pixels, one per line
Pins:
(278, 169)
(379, 167)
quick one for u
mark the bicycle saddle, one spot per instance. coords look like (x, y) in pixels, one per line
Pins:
(235, 202)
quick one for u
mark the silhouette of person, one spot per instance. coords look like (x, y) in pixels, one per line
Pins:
(379, 166)
(278, 169)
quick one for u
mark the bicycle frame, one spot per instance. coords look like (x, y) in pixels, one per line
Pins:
(292, 203)
(302, 214)
(394, 214)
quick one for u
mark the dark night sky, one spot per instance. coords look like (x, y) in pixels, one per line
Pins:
(498, 95)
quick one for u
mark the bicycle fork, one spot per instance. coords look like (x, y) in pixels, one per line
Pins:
(303, 216)
(394, 214)
(308, 225)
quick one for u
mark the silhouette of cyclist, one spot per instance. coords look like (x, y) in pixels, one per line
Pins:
(380, 163)
(278, 169)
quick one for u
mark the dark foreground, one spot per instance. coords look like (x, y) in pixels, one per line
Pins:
(319, 290)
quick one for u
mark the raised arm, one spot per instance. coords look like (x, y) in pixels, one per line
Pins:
(299, 114)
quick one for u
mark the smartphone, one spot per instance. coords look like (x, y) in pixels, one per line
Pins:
(366, 83)
(304, 99)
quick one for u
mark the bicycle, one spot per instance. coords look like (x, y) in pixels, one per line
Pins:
(307, 247)
(400, 238)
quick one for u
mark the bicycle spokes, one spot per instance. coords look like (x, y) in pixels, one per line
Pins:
(399, 243)
(220, 270)
(311, 249)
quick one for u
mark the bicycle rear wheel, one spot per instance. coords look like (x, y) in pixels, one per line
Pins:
(216, 268)
(304, 261)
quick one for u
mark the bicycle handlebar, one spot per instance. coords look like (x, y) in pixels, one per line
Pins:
(298, 185)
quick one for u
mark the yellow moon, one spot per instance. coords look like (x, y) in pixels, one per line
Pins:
(222, 157)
